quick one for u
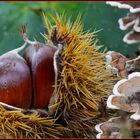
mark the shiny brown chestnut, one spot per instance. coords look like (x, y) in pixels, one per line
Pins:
(15, 80)
(40, 58)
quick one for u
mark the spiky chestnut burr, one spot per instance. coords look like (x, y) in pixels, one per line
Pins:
(82, 81)
(82, 85)
(28, 123)
(15, 79)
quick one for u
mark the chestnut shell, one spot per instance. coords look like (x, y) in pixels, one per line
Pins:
(40, 58)
(15, 81)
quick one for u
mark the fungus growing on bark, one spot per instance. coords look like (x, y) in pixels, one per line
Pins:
(133, 65)
(126, 95)
(117, 127)
(109, 129)
(116, 63)
(133, 7)
(131, 21)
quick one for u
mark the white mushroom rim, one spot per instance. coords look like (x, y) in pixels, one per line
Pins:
(123, 26)
(116, 93)
(99, 130)
(119, 5)
(128, 41)
(98, 127)
(134, 23)
(108, 56)
(123, 6)
(109, 59)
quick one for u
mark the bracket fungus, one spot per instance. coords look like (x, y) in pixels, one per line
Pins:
(133, 7)
(117, 127)
(109, 129)
(126, 95)
(133, 65)
(116, 63)
(132, 37)
(131, 21)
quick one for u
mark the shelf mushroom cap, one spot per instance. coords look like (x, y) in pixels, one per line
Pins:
(109, 129)
(133, 64)
(116, 63)
(125, 23)
(118, 4)
(132, 20)
(133, 7)
(132, 37)
(118, 127)
(126, 95)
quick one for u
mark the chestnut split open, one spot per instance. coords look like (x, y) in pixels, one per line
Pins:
(28, 82)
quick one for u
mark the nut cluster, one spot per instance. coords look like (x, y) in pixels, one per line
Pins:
(27, 82)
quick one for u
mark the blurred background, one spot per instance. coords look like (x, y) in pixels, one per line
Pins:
(95, 16)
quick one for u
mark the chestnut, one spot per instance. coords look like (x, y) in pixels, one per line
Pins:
(40, 60)
(15, 80)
